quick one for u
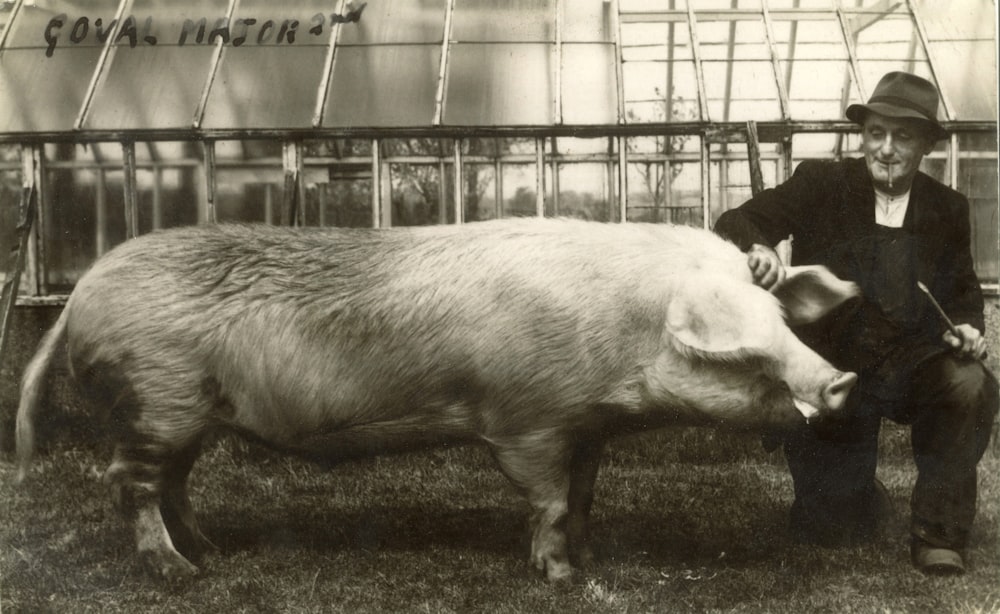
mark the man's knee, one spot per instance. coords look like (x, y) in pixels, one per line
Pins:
(961, 383)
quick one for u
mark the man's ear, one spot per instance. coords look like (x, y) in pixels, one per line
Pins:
(810, 292)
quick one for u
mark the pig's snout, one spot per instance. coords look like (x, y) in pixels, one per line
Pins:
(835, 393)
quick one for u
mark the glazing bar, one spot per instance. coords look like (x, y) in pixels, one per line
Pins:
(106, 52)
(324, 81)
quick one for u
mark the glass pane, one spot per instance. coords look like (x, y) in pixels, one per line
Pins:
(255, 152)
(968, 74)
(702, 5)
(338, 148)
(740, 91)
(588, 21)
(66, 49)
(395, 21)
(168, 196)
(522, 20)
(813, 146)
(656, 41)
(56, 25)
(648, 85)
(872, 71)
(971, 19)
(675, 144)
(651, 5)
(480, 195)
(730, 176)
(501, 84)
(852, 144)
(10, 202)
(417, 147)
(6, 10)
(84, 213)
(369, 82)
(272, 80)
(977, 179)
(665, 192)
(416, 195)
(889, 38)
(34, 104)
(809, 39)
(256, 87)
(736, 39)
(269, 23)
(788, 4)
(571, 145)
(936, 168)
(151, 87)
(155, 86)
(519, 190)
(244, 195)
(337, 182)
(497, 147)
(583, 192)
(249, 181)
(588, 95)
(337, 202)
(886, 42)
(816, 88)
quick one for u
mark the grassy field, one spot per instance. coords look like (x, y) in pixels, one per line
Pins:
(686, 520)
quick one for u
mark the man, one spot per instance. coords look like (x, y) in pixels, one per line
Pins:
(880, 222)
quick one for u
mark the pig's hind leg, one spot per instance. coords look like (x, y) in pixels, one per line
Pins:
(157, 438)
(537, 463)
(176, 510)
(140, 493)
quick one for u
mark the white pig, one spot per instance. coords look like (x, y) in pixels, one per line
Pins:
(538, 338)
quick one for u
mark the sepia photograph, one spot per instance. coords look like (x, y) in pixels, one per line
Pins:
(505, 306)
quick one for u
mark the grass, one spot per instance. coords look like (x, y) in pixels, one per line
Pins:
(685, 520)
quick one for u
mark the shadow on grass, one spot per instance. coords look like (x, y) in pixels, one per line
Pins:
(668, 534)
(400, 528)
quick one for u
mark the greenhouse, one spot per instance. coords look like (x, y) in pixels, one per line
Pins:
(499, 305)
(123, 116)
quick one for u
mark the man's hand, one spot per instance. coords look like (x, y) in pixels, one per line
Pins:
(765, 265)
(968, 342)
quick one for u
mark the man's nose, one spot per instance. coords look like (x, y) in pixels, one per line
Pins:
(887, 148)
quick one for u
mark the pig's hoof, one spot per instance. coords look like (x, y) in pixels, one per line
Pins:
(555, 570)
(584, 557)
(169, 566)
(203, 547)
(560, 573)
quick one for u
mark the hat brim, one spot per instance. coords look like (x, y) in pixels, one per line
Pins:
(858, 112)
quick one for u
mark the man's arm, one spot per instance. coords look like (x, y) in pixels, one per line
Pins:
(962, 297)
(759, 224)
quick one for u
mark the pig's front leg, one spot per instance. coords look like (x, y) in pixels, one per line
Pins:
(584, 464)
(537, 463)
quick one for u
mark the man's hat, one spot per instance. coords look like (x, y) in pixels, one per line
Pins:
(901, 95)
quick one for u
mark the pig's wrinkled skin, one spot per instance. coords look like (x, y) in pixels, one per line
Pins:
(538, 338)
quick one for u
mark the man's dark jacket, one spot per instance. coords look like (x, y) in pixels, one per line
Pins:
(829, 208)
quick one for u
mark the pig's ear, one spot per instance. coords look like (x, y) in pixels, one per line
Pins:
(810, 292)
(711, 314)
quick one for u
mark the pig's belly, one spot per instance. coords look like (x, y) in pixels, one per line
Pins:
(332, 440)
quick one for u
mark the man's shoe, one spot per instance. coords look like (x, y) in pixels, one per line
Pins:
(935, 561)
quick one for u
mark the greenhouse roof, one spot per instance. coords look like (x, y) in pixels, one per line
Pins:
(107, 66)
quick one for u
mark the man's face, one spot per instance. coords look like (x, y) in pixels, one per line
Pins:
(893, 149)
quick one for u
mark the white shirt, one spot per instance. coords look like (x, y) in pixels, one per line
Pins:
(890, 210)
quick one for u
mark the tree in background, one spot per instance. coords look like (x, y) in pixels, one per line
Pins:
(656, 176)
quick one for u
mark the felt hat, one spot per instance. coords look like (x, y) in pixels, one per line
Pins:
(901, 95)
